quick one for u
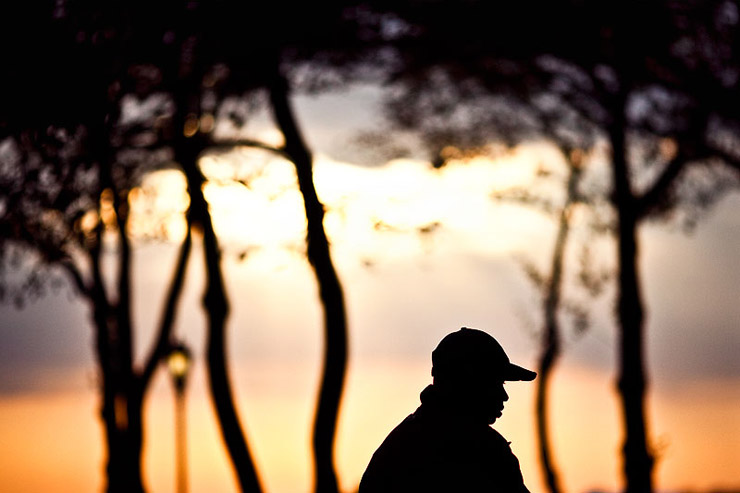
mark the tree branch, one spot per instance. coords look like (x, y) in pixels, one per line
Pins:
(645, 202)
(76, 275)
(120, 208)
(228, 144)
(730, 160)
(100, 296)
(168, 316)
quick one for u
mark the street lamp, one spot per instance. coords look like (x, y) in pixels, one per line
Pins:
(178, 363)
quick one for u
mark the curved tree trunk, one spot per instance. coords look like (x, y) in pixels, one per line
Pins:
(551, 336)
(217, 308)
(122, 404)
(121, 410)
(638, 462)
(330, 293)
(115, 470)
(547, 360)
(186, 90)
(123, 388)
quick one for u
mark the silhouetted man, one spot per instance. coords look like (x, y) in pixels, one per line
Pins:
(447, 444)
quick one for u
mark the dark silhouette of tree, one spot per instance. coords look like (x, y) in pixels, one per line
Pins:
(606, 63)
(217, 308)
(552, 335)
(185, 67)
(179, 62)
(330, 293)
(65, 195)
(282, 60)
(219, 60)
(74, 162)
(279, 44)
(550, 287)
(639, 57)
(65, 198)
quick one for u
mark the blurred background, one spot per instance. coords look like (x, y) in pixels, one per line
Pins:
(567, 182)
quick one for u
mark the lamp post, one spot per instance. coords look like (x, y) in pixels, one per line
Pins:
(178, 363)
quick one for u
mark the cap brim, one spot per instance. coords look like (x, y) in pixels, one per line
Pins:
(517, 373)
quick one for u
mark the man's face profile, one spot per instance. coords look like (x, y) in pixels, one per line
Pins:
(481, 398)
(495, 404)
(487, 400)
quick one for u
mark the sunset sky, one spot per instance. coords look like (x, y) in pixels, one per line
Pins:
(405, 290)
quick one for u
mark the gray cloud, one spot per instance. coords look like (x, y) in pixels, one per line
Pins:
(49, 335)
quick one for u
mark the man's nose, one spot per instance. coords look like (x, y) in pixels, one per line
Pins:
(504, 395)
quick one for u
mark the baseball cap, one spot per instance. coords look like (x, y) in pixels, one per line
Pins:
(472, 352)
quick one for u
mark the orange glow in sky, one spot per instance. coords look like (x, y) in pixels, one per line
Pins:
(406, 286)
(52, 442)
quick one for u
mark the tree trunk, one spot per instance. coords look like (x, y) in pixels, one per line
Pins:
(123, 425)
(115, 471)
(217, 308)
(330, 293)
(125, 390)
(121, 411)
(121, 414)
(551, 336)
(547, 360)
(638, 462)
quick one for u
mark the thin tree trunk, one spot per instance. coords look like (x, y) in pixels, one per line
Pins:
(217, 308)
(638, 462)
(186, 89)
(129, 405)
(547, 361)
(101, 318)
(122, 388)
(122, 419)
(164, 337)
(551, 336)
(330, 293)
(121, 396)
(126, 430)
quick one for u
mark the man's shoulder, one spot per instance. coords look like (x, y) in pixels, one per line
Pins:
(397, 435)
(419, 454)
(408, 433)
(497, 438)
(397, 457)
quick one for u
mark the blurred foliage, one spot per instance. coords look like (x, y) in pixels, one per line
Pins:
(95, 95)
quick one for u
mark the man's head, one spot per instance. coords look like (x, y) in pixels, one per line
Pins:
(472, 366)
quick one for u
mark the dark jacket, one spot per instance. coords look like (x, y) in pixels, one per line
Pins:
(434, 450)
